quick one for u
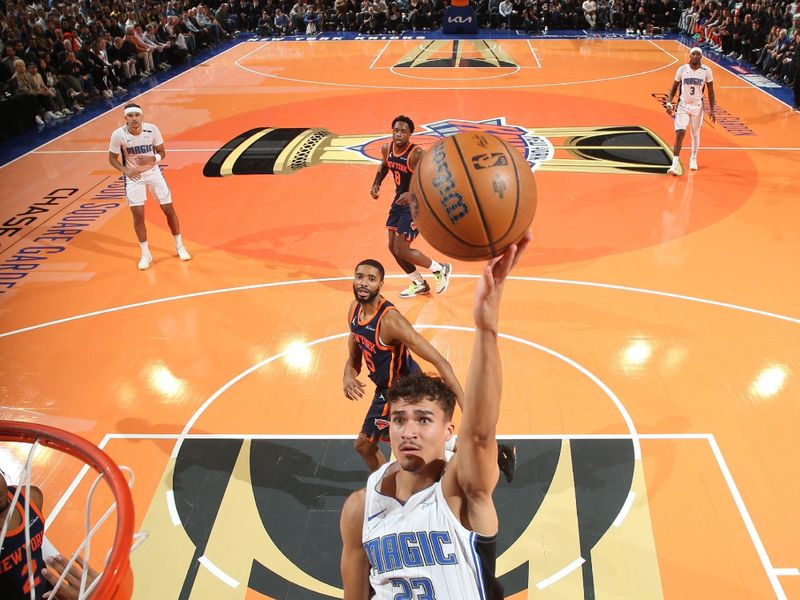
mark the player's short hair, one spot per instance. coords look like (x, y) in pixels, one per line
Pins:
(404, 119)
(417, 387)
(371, 262)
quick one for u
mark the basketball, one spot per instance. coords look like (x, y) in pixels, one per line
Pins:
(472, 196)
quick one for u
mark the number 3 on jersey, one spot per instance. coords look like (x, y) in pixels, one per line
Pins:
(416, 588)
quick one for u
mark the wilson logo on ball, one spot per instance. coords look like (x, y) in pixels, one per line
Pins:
(452, 202)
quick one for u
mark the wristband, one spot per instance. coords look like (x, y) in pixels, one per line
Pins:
(158, 157)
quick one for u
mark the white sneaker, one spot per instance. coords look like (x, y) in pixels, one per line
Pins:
(674, 170)
(443, 277)
(693, 164)
(183, 253)
(38, 120)
(416, 289)
(145, 261)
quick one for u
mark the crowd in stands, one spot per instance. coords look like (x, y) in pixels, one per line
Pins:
(763, 34)
(57, 55)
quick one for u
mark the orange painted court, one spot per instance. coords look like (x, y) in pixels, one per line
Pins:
(649, 337)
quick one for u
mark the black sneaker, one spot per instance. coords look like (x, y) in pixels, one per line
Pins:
(507, 460)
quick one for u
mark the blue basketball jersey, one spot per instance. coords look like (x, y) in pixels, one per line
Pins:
(401, 170)
(14, 567)
(385, 363)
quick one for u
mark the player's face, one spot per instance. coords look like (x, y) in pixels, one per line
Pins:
(134, 120)
(418, 432)
(401, 133)
(367, 283)
(695, 58)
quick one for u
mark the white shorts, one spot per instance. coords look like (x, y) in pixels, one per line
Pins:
(152, 179)
(683, 119)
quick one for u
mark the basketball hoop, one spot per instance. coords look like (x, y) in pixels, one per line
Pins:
(115, 580)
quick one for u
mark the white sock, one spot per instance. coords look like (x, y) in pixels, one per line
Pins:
(675, 161)
(435, 266)
(145, 249)
(416, 277)
(178, 241)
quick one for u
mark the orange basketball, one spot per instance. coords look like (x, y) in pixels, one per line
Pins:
(472, 196)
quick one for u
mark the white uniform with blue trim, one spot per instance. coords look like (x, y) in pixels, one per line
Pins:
(143, 144)
(690, 106)
(420, 550)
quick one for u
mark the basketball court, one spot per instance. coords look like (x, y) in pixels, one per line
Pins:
(649, 336)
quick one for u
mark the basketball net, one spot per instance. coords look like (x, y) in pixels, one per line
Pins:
(88, 571)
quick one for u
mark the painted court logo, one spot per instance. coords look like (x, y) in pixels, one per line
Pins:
(535, 148)
(285, 150)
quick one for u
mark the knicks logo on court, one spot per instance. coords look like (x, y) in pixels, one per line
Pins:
(534, 148)
(262, 518)
(286, 150)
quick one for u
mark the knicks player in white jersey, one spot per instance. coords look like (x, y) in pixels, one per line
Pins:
(693, 79)
(135, 150)
(424, 527)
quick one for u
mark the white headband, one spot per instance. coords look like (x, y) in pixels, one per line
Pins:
(132, 109)
(696, 49)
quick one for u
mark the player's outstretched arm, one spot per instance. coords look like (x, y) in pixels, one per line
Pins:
(475, 469)
(354, 563)
(395, 328)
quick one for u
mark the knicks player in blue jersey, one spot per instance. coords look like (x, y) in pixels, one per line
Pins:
(383, 339)
(401, 157)
(424, 527)
(15, 570)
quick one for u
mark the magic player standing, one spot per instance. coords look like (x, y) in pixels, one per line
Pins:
(401, 157)
(135, 150)
(692, 78)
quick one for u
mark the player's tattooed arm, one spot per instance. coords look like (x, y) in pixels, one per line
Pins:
(351, 386)
(671, 107)
(712, 101)
(383, 171)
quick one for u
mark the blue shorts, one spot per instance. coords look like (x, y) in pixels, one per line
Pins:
(400, 221)
(376, 423)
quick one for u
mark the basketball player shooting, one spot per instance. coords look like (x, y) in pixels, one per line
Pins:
(444, 519)
(692, 78)
(401, 157)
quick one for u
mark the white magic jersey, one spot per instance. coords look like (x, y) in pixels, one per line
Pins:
(421, 550)
(693, 84)
(142, 144)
